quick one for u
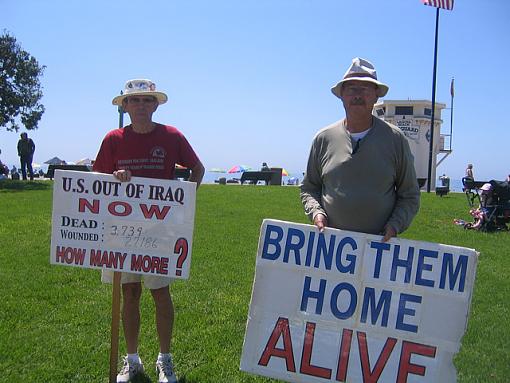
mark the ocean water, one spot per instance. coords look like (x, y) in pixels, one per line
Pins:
(455, 185)
(210, 177)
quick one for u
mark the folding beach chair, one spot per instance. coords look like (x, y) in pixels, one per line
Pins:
(470, 187)
(497, 206)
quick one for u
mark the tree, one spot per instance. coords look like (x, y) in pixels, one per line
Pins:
(20, 89)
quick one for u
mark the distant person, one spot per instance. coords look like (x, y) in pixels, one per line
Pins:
(469, 171)
(14, 173)
(4, 170)
(26, 149)
(445, 180)
(508, 178)
(145, 149)
(360, 174)
(482, 213)
(264, 167)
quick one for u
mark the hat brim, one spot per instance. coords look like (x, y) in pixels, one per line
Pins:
(382, 89)
(160, 96)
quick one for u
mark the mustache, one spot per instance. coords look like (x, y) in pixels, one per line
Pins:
(357, 101)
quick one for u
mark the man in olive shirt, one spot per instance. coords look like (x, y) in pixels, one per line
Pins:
(360, 174)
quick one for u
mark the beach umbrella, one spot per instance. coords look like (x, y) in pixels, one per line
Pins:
(238, 169)
(293, 181)
(54, 161)
(84, 161)
(217, 170)
(284, 172)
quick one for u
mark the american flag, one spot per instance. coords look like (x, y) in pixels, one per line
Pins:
(445, 4)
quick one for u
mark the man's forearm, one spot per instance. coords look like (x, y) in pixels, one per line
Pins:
(197, 173)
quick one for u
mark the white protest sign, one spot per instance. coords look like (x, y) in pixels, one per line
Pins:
(341, 306)
(144, 226)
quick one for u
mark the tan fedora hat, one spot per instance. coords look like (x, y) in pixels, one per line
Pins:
(140, 87)
(361, 70)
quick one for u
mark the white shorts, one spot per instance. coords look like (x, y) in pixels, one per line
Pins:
(152, 282)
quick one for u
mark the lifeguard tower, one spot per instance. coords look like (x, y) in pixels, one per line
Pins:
(413, 118)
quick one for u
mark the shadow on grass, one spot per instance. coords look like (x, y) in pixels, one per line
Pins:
(144, 378)
(17, 186)
(183, 379)
(141, 378)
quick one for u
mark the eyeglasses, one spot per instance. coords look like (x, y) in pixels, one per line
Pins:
(354, 90)
(137, 100)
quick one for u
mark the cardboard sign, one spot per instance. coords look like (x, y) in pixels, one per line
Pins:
(144, 226)
(341, 306)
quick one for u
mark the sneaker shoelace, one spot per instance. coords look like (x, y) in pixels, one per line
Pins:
(166, 366)
(128, 367)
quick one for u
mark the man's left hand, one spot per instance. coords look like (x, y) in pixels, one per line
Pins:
(389, 232)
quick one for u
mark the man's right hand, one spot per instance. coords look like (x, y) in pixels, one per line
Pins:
(123, 175)
(321, 221)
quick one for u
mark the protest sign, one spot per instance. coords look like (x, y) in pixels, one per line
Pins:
(144, 226)
(341, 306)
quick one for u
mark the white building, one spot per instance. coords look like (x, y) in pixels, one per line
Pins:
(413, 117)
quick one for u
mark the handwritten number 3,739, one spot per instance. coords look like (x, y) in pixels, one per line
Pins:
(125, 231)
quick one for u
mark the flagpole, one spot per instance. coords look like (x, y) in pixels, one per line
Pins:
(452, 92)
(431, 146)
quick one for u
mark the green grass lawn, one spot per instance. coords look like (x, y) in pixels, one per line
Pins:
(55, 320)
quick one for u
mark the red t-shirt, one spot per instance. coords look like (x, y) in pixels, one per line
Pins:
(151, 155)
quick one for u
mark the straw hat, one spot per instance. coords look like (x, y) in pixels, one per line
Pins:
(140, 87)
(361, 70)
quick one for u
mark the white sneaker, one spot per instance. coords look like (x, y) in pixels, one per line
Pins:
(129, 371)
(165, 371)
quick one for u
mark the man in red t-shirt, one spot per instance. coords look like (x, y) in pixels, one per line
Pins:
(145, 149)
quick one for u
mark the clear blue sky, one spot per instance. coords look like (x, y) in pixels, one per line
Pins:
(249, 81)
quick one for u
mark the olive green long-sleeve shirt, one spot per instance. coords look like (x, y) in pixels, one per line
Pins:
(364, 191)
